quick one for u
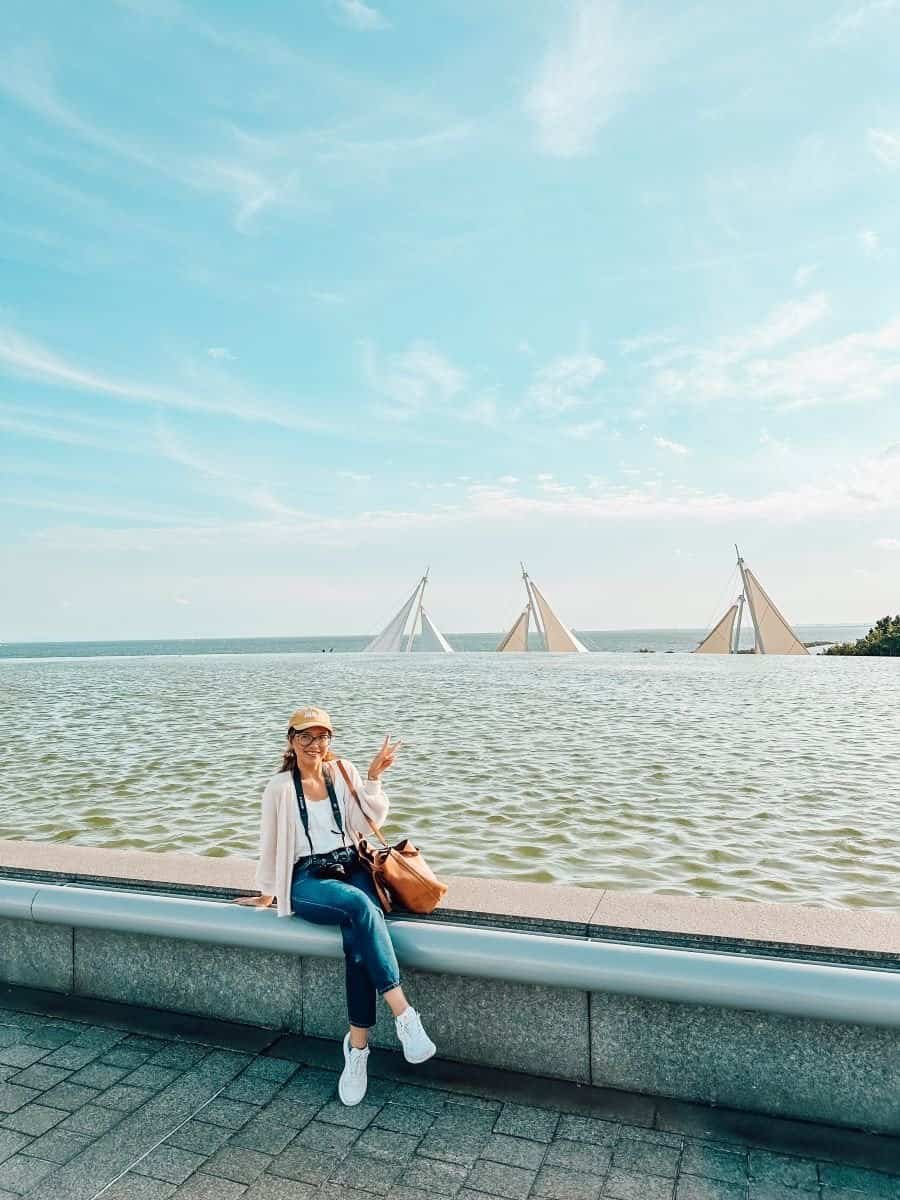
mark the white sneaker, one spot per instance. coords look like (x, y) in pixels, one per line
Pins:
(417, 1045)
(354, 1080)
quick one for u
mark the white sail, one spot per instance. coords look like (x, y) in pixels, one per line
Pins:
(432, 639)
(390, 639)
(718, 640)
(773, 634)
(517, 638)
(556, 636)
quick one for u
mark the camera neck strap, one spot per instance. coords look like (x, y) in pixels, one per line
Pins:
(304, 812)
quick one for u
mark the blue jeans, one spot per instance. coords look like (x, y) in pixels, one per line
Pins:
(371, 964)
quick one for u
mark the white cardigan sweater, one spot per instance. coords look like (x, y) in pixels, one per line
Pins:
(281, 819)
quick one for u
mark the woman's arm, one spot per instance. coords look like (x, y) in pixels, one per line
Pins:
(372, 799)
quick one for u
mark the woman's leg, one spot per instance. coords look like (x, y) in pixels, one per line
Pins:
(370, 960)
(394, 997)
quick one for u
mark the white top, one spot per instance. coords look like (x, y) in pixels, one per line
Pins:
(323, 832)
(281, 836)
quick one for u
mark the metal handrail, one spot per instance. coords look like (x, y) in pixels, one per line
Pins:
(819, 991)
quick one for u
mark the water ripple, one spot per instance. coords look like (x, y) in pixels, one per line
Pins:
(753, 779)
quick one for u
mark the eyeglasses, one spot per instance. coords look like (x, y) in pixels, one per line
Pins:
(307, 739)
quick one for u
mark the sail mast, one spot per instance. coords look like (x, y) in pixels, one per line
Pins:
(758, 647)
(415, 620)
(736, 645)
(533, 608)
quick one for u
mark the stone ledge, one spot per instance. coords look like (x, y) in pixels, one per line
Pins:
(861, 936)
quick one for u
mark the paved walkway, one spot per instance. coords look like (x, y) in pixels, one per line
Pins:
(102, 1100)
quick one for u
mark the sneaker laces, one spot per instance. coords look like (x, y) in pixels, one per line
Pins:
(357, 1060)
(409, 1021)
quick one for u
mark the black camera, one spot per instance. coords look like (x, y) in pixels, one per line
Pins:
(332, 871)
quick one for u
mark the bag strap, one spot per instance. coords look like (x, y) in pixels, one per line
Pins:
(371, 824)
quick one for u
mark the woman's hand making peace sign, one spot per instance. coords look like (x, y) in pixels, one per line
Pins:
(385, 757)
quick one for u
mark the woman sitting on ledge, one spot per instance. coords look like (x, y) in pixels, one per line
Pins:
(307, 866)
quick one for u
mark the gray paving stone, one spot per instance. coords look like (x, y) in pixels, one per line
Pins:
(269, 1067)
(588, 1129)
(304, 1164)
(295, 1113)
(13, 1097)
(209, 1187)
(237, 1163)
(21, 1055)
(51, 1036)
(631, 1155)
(69, 1096)
(366, 1173)
(464, 1119)
(121, 1056)
(434, 1176)
(626, 1185)
(71, 1056)
(139, 1187)
(20, 1173)
(199, 1136)
(91, 1120)
(499, 1179)
(58, 1146)
(254, 1089)
(658, 1137)
(169, 1163)
(871, 1183)
(7, 1073)
(556, 1183)
(768, 1167)
(231, 1113)
(515, 1152)
(270, 1187)
(179, 1056)
(11, 1142)
(692, 1187)
(98, 1075)
(269, 1137)
(414, 1096)
(715, 1162)
(579, 1156)
(386, 1144)
(519, 1120)
(34, 1118)
(150, 1076)
(404, 1119)
(40, 1076)
(124, 1098)
(334, 1139)
(778, 1191)
(310, 1086)
(455, 1146)
(357, 1117)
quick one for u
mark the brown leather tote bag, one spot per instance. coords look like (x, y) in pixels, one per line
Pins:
(402, 877)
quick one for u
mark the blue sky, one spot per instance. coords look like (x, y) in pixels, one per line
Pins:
(297, 299)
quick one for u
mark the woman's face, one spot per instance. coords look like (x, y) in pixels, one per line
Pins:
(310, 745)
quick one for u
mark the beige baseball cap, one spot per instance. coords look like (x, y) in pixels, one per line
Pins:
(308, 718)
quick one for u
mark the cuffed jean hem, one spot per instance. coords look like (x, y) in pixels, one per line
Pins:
(390, 987)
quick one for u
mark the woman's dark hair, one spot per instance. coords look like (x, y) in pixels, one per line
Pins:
(289, 757)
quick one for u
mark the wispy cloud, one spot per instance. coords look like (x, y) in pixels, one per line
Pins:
(584, 78)
(412, 381)
(220, 352)
(869, 242)
(885, 145)
(213, 390)
(855, 20)
(662, 443)
(27, 77)
(758, 366)
(354, 14)
(566, 382)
